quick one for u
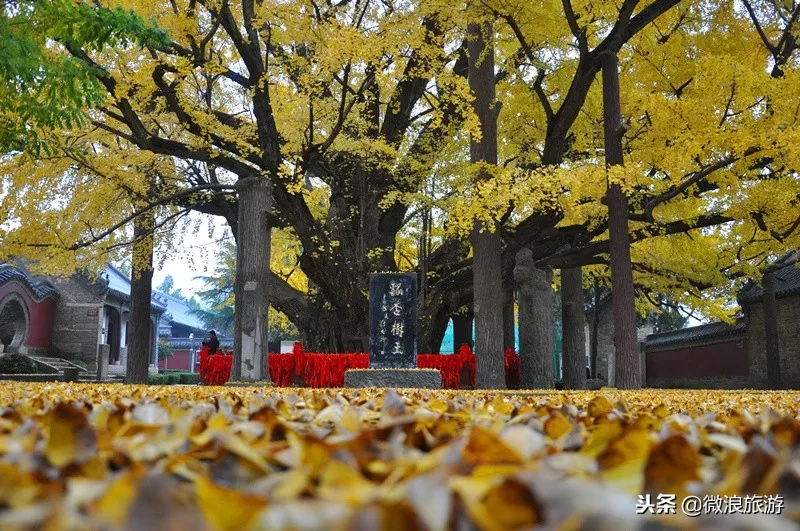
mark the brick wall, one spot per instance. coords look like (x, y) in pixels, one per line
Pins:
(719, 382)
(76, 328)
(712, 365)
(788, 341)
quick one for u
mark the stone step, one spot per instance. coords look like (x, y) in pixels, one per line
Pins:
(58, 363)
(47, 360)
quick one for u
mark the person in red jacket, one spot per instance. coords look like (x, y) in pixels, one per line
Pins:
(212, 343)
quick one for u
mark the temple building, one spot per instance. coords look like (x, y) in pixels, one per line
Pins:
(85, 321)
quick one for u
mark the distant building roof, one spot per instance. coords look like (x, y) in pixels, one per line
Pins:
(186, 343)
(694, 334)
(787, 281)
(120, 285)
(117, 280)
(180, 312)
(41, 289)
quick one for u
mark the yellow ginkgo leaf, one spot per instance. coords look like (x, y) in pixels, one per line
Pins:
(224, 508)
(71, 438)
(115, 503)
(486, 448)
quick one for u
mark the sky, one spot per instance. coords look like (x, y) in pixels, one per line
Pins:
(194, 255)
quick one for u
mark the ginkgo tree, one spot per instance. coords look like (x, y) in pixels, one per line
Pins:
(265, 122)
(710, 139)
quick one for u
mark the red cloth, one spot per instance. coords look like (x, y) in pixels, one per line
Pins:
(281, 369)
(512, 369)
(216, 369)
(327, 370)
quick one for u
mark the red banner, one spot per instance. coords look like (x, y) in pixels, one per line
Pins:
(512, 369)
(216, 369)
(327, 370)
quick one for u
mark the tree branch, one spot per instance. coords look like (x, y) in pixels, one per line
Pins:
(577, 32)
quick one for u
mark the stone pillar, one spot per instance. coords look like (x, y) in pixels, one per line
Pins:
(102, 361)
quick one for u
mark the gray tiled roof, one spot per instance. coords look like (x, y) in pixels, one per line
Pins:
(119, 285)
(40, 289)
(180, 312)
(693, 334)
(787, 282)
(186, 343)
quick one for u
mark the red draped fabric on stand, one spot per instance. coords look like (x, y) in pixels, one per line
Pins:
(327, 370)
(281, 369)
(214, 369)
(512, 369)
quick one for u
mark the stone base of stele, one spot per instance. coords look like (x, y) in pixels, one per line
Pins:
(394, 378)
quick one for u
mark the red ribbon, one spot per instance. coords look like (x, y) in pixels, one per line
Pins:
(327, 370)
(512, 369)
(216, 369)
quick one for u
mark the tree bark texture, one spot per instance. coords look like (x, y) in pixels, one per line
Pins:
(535, 301)
(771, 331)
(136, 369)
(486, 246)
(627, 361)
(573, 345)
(508, 314)
(251, 285)
(488, 308)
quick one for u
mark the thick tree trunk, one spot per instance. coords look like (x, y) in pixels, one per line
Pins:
(486, 246)
(490, 365)
(771, 331)
(332, 330)
(573, 345)
(508, 314)
(628, 364)
(252, 281)
(136, 369)
(535, 301)
(431, 327)
(462, 331)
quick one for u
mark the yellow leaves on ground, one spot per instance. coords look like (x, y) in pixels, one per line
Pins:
(79, 456)
(116, 501)
(486, 448)
(226, 508)
(671, 464)
(71, 438)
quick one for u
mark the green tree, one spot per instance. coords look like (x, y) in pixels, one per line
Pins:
(168, 287)
(164, 351)
(40, 90)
